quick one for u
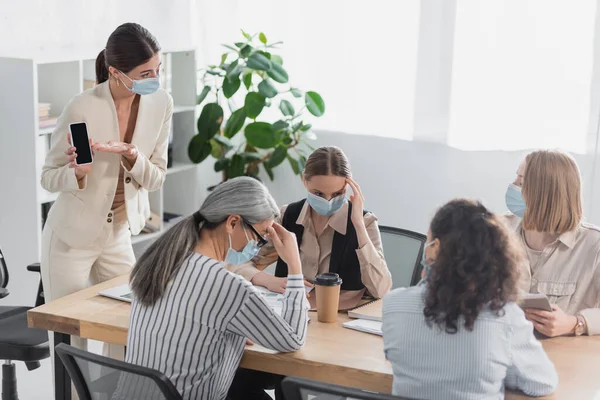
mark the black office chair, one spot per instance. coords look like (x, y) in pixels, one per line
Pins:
(304, 389)
(403, 251)
(18, 342)
(95, 377)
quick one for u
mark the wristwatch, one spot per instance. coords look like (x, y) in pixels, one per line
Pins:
(581, 326)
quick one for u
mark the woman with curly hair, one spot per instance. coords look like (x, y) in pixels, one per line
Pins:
(460, 335)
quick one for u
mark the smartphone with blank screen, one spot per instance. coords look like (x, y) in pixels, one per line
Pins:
(534, 300)
(81, 141)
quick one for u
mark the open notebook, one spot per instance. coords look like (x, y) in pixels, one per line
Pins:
(365, 325)
(122, 293)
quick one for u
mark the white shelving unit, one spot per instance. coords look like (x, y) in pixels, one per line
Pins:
(24, 145)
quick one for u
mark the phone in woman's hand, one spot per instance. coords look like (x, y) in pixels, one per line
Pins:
(81, 141)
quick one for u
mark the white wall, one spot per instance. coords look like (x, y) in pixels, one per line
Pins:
(405, 181)
(31, 27)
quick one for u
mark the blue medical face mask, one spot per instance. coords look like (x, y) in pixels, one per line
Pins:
(326, 207)
(426, 266)
(514, 200)
(143, 86)
(249, 251)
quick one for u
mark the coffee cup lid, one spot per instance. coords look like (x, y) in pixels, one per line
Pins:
(328, 279)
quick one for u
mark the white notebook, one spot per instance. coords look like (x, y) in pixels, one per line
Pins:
(122, 293)
(365, 325)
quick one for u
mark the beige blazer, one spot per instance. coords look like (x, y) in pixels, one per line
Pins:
(78, 215)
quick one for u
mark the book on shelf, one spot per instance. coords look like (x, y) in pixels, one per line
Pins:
(88, 84)
(48, 123)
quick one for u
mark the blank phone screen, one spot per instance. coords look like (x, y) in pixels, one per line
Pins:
(81, 142)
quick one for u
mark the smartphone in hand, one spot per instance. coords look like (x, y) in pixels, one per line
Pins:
(534, 300)
(81, 141)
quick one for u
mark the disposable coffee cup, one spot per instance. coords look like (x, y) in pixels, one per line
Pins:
(327, 287)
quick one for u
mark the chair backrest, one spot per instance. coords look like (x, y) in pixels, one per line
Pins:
(304, 389)
(97, 377)
(3, 271)
(403, 251)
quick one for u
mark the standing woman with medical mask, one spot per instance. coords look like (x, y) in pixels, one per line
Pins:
(563, 252)
(335, 235)
(87, 237)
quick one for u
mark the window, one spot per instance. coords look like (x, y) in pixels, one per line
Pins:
(521, 74)
(361, 57)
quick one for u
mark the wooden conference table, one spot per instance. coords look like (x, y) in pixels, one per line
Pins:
(332, 353)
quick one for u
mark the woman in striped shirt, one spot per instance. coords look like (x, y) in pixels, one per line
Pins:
(190, 316)
(459, 335)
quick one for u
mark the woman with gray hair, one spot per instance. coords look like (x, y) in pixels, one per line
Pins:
(190, 317)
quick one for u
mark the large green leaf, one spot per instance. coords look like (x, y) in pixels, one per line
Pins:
(198, 149)
(210, 121)
(277, 157)
(259, 61)
(269, 171)
(246, 50)
(260, 135)
(235, 122)
(267, 89)
(231, 86)
(236, 167)
(222, 164)
(294, 163)
(296, 92)
(314, 103)
(223, 141)
(254, 104)
(217, 150)
(280, 125)
(250, 156)
(278, 73)
(247, 80)
(276, 59)
(205, 91)
(286, 108)
(231, 68)
(262, 38)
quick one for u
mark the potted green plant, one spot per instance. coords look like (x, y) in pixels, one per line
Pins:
(253, 76)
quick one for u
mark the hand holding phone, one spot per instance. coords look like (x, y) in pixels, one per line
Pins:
(534, 300)
(80, 150)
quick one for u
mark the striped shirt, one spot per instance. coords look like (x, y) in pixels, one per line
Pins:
(500, 352)
(196, 333)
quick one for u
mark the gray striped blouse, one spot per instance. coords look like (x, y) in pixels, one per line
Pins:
(431, 364)
(196, 332)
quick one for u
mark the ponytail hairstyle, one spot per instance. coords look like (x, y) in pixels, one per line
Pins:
(128, 46)
(328, 160)
(243, 196)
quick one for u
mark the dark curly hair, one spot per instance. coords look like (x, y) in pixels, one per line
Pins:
(476, 265)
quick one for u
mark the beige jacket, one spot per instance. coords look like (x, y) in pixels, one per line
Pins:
(78, 214)
(567, 271)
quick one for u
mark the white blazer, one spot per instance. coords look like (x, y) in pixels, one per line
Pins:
(78, 215)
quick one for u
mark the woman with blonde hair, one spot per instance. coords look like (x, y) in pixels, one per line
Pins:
(563, 252)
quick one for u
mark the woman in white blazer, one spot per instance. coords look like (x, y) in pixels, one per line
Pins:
(87, 237)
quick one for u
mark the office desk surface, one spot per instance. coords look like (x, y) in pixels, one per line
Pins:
(332, 353)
